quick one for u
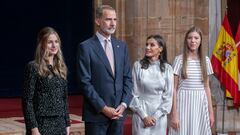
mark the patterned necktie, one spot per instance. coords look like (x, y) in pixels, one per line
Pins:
(109, 54)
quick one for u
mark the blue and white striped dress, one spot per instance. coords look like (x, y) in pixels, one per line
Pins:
(192, 104)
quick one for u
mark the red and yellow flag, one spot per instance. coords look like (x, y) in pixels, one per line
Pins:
(237, 41)
(225, 62)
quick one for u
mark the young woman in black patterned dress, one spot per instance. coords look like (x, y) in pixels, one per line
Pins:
(44, 99)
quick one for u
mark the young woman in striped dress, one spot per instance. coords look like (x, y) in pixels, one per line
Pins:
(192, 112)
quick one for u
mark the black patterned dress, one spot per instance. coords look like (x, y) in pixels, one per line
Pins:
(44, 102)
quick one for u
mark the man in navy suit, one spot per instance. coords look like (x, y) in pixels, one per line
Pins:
(105, 83)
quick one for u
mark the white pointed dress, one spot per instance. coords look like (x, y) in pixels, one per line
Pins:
(152, 97)
(192, 104)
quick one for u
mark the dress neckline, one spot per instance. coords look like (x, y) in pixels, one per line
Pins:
(157, 62)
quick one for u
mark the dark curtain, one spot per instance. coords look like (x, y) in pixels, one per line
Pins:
(233, 14)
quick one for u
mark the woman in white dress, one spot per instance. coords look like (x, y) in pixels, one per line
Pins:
(192, 112)
(153, 89)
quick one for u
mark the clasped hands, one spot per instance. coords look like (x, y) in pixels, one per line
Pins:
(113, 113)
(149, 121)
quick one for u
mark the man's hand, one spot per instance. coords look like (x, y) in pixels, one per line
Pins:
(113, 113)
(109, 112)
(119, 111)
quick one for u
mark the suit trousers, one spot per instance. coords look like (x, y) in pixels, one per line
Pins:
(113, 127)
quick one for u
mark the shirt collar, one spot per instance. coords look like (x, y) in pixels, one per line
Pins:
(102, 38)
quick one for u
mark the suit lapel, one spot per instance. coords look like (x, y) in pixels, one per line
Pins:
(101, 54)
(116, 49)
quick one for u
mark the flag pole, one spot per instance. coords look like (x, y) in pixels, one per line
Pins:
(223, 114)
(224, 95)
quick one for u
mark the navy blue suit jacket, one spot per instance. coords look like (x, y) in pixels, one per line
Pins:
(98, 84)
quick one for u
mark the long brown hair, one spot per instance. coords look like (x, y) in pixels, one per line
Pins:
(201, 54)
(41, 55)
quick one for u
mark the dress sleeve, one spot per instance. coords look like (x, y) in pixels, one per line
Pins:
(135, 105)
(177, 64)
(66, 106)
(209, 66)
(30, 77)
(166, 104)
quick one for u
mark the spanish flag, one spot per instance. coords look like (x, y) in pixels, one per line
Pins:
(225, 62)
(237, 41)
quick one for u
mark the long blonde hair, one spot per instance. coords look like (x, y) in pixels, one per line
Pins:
(201, 54)
(41, 55)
